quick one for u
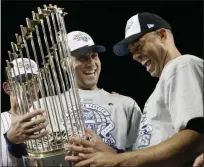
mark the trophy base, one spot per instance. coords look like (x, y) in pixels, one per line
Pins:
(54, 160)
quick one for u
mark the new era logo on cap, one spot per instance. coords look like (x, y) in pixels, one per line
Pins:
(150, 25)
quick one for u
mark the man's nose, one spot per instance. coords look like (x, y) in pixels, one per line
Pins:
(138, 57)
(135, 56)
(90, 62)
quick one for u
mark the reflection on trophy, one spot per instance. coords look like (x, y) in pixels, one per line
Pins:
(50, 84)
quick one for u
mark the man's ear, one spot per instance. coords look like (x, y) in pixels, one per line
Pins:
(7, 88)
(162, 33)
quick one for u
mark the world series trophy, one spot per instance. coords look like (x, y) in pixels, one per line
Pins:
(51, 85)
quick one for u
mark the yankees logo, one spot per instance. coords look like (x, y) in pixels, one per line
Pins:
(128, 26)
(144, 132)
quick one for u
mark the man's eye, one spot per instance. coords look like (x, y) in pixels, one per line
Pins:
(94, 56)
(139, 46)
(81, 59)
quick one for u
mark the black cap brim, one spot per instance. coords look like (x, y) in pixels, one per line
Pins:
(121, 48)
(83, 50)
(23, 77)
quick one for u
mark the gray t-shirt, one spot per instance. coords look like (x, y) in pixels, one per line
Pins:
(177, 98)
(115, 118)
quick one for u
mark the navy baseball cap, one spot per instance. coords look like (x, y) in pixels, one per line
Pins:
(137, 26)
(81, 43)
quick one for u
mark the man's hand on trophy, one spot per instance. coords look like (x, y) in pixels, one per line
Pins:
(82, 145)
(26, 127)
(99, 159)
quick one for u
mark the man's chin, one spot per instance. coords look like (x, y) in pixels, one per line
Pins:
(90, 85)
(154, 74)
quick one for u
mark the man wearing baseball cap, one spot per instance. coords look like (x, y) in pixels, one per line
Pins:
(15, 128)
(172, 123)
(113, 117)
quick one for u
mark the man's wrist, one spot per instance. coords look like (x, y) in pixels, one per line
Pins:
(121, 159)
(9, 138)
(134, 158)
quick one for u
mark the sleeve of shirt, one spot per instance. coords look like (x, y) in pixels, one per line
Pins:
(184, 95)
(16, 150)
(134, 116)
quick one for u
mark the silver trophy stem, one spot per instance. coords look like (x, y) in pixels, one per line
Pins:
(58, 67)
(56, 82)
(28, 55)
(67, 66)
(45, 78)
(65, 75)
(72, 74)
(39, 78)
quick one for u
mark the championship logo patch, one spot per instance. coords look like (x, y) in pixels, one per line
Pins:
(98, 119)
(81, 37)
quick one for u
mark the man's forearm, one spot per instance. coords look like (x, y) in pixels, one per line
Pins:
(173, 152)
